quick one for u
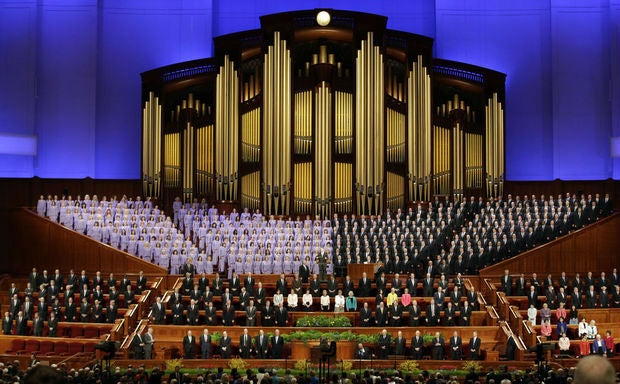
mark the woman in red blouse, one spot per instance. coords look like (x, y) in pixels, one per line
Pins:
(609, 343)
(584, 346)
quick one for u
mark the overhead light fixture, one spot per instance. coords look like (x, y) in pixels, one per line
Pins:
(323, 18)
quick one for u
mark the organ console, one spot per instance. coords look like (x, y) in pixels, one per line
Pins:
(298, 118)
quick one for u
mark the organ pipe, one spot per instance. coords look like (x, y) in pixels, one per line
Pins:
(419, 133)
(151, 146)
(323, 157)
(277, 127)
(494, 146)
(227, 131)
(369, 122)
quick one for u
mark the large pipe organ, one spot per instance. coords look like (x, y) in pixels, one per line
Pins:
(316, 116)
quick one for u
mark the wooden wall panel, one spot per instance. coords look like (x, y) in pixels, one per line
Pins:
(41, 243)
(594, 248)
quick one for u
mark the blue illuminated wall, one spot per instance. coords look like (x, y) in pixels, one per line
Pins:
(70, 83)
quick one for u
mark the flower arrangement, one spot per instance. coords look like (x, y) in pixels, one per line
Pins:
(323, 321)
(409, 366)
(472, 365)
(173, 363)
(237, 363)
(302, 365)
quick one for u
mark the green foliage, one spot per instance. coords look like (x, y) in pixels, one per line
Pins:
(313, 334)
(428, 338)
(324, 321)
(216, 337)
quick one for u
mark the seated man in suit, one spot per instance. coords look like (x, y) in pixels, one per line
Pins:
(361, 352)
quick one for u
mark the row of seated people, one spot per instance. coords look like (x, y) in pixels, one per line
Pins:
(583, 291)
(44, 284)
(432, 314)
(40, 323)
(587, 329)
(365, 287)
(598, 345)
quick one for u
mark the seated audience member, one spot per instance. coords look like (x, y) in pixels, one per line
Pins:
(545, 329)
(531, 314)
(584, 346)
(609, 343)
(562, 327)
(564, 344)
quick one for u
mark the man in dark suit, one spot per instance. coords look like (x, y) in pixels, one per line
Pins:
(193, 313)
(400, 344)
(412, 285)
(111, 312)
(211, 314)
(261, 344)
(432, 313)
(138, 346)
(250, 314)
(205, 344)
(385, 341)
(511, 346)
(158, 311)
(440, 298)
(304, 272)
(427, 285)
(521, 285)
(575, 298)
(332, 286)
(466, 312)
(438, 346)
(396, 312)
(532, 297)
(381, 315)
(52, 325)
(234, 285)
(217, 285)
(141, 283)
(315, 286)
(455, 346)
(474, 347)
(277, 345)
(7, 324)
(267, 314)
(37, 325)
(84, 311)
(507, 283)
(281, 285)
(366, 316)
(228, 315)
(361, 353)
(249, 283)
(364, 286)
(189, 345)
(177, 313)
(188, 267)
(21, 324)
(225, 345)
(149, 340)
(245, 344)
(449, 314)
(415, 312)
(417, 346)
(195, 293)
(281, 316)
(591, 297)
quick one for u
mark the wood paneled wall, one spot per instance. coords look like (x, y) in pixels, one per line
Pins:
(36, 241)
(593, 248)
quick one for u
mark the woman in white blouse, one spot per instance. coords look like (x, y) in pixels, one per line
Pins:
(292, 301)
(339, 302)
(325, 300)
(306, 300)
(278, 298)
